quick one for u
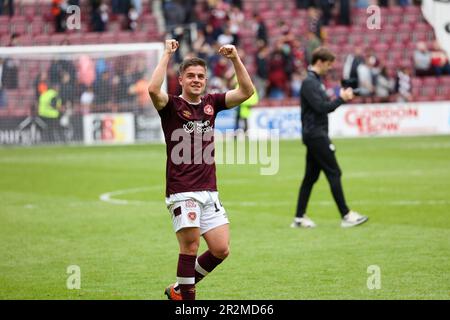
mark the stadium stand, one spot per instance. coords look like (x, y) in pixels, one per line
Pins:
(33, 25)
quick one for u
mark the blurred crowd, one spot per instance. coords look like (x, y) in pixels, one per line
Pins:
(281, 64)
(277, 64)
(127, 11)
(94, 83)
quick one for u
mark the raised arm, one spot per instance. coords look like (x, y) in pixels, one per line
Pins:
(158, 96)
(245, 90)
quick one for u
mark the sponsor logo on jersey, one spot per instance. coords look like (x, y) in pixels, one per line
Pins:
(197, 126)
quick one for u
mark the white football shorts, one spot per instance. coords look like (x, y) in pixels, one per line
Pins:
(201, 209)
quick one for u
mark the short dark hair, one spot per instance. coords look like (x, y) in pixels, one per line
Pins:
(190, 63)
(323, 54)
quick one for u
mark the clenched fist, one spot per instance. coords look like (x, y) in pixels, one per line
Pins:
(171, 46)
(346, 94)
(229, 51)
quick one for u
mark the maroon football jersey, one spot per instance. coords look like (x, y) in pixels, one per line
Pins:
(189, 135)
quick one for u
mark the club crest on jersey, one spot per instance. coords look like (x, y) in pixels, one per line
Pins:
(192, 215)
(208, 109)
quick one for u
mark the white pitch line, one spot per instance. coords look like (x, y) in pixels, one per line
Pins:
(109, 197)
(331, 203)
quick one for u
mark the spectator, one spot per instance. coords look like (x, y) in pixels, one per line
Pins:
(220, 68)
(140, 91)
(10, 72)
(384, 85)
(122, 83)
(262, 63)
(277, 77)
(362, 4)
(189, 9)
(296, 83)
(236, 19)
(137, 5)
(365, 80)
(86, 100)
(260, 28)
(403, 3)
(56, 70)
(67, 91)
(201, 46)
(119, 6)
(58, 11)
(2, 92)
(99, 16)
(439, 60)
(133, 16)
(174, 14)
(304, 4)
(226, 38)
(211, 35)
(314, 23)
(326, 6)
(103, 88)
(41, 84)
(403, 85)
(10, 7)
(422, 59)
(344, 12)
(218, 14)
(173, 85)
(49, 107)
(349, 71)
(86, 71)
(313, 42)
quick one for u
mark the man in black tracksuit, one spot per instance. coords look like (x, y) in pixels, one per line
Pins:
(320, 154)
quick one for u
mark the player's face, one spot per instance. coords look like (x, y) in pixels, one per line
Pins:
(326, 66)
(193, 80)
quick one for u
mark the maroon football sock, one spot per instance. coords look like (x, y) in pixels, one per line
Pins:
(186, 276)
(205, 264)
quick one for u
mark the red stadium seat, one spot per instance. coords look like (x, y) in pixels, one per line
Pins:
(394, 10)
(394, 20)
(58, 39)
(411, 19)
(42, 40)
(29, 11)
(4, 40)
(37, 26)
(107, 37)
(380, 47)
(25, 40)
(5, 29)
(413, 10)
(430, 81)
(75, 38)
(444, 81)
(387, 37)
(90, 38)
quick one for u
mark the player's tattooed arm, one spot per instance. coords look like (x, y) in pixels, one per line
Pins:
(159, 97)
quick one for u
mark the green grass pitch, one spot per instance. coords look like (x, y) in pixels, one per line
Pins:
(51, 217)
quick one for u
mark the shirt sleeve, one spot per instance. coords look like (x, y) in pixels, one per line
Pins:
(311, 93)
(218, 102)
(165, 112)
